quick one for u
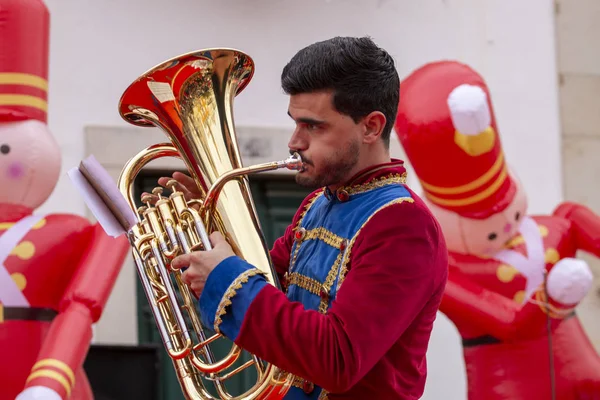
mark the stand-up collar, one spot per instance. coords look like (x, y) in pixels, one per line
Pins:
(372, 177)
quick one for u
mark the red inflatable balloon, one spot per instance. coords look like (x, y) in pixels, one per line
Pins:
(514, 280)
(56, 270)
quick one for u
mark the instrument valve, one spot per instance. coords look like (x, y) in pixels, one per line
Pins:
(147, 198)
(158, 192)
(172, 184)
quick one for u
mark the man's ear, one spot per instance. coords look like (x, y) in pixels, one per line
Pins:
(374, 124)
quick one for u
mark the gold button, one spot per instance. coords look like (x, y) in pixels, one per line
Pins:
(506, 273)
(19, 279)
(552, 256)
(519, 296)
(40, 224)
(24, 250)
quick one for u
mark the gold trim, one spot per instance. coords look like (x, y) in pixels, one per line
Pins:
(307, 207)
(299, 383)
(60, 365)
(325, 235)
(376, 183)
(498, 164)
(231, 291)
(304, 282)
(51, 374)
(23, 100)
(471, 199)
(1, 313)
(17, 78)
(331, 275)
(344, 268)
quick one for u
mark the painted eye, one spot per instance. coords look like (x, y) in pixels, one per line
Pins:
(4, 149)
(492, 236)
(517, 216)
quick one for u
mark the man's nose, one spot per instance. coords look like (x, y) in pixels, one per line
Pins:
(297, 142)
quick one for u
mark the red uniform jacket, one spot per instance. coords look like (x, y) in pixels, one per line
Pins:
(370, 340)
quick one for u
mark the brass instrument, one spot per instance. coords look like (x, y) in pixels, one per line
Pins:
(190, 98)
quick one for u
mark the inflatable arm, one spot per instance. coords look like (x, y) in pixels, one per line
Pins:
(585, 225)
(65, 348)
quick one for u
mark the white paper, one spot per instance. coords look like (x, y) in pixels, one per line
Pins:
(105, 217)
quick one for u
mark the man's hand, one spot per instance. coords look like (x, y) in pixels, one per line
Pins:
(201, 263)
(185, 184)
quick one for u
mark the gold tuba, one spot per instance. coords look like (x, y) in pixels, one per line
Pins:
(190, 98)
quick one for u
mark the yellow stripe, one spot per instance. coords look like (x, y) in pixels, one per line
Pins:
(469, 186)
(472, 199)
(50, 362)
(23, 100)
(16, 78)
(47, 373)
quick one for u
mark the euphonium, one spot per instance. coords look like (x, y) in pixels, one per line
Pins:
(190, 98)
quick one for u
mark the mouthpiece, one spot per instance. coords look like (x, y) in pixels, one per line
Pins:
(294, 162)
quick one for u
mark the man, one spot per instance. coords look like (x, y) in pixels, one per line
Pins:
(363, 263)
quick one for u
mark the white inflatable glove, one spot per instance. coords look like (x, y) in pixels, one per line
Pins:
(569, 281)
(38, 393)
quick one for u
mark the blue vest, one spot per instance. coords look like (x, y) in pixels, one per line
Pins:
(324, 236)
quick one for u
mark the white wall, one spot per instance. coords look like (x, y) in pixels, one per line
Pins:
(99, 47)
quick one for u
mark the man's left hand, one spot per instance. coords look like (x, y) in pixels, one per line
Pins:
(201, 263)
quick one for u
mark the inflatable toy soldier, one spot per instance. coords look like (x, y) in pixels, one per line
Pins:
(514, 279)
(56, 270)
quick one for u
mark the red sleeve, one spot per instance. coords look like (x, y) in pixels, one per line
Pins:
(97, 273)
(67, 342)
(280, 253)
(395, 269)
(63, 351)
(586, 226)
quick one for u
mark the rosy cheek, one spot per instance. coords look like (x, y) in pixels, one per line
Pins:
(15, 170)
(487, 251)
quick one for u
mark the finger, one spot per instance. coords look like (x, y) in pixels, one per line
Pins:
(186, 277)
(178, 187)
(185, 180)
(181, 261)
(162, 181)
(149, 198)
(216, 238)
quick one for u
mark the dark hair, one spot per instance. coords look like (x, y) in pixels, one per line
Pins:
(363, 77)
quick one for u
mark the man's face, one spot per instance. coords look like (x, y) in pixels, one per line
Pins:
(329, 142)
